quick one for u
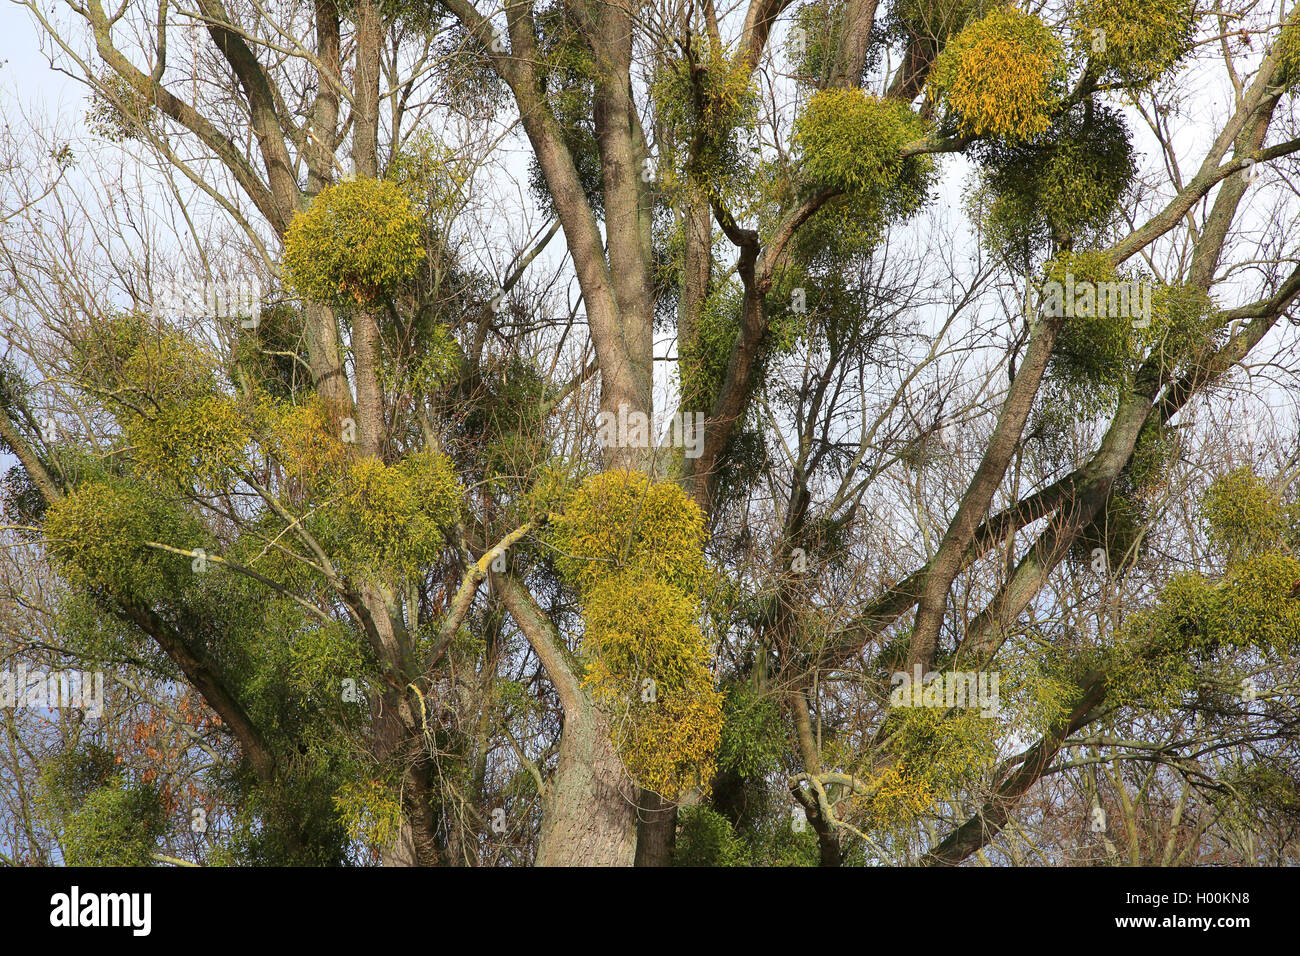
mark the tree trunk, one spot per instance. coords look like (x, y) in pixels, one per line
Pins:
(589, 809)
(656, 831)
(589, 814)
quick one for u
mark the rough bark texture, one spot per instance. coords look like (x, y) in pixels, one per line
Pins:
(589, 812)
(589, 808)
(656, 831)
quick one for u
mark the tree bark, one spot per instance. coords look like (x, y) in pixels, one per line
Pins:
(589, 811)
(589, 807)
(656, 831)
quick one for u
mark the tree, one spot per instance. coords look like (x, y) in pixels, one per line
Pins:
(397, 515)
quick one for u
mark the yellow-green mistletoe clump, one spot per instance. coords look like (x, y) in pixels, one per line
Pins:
(118, 111)
(204, 440)
(703, 360)
(725, 97)
(1286, 50)
(626, 606)
(377, 518)
(935, 20)
(934, 754)
(320, 656)
(394, 516)
(1002, 75)
(371, 811)
(144, 364)
(99, 534)
(1256, 607)
(1198, 622)
(1201, 624)
(1114, 320)
(356, 244)
(851, 141)
(753, 733)
(814, 40)
(706, 98)
(180, 427)
(648, 664)
(1137, 40)
(117, 825)
(1067, 182)
(633, 549)
(430, 174)
(1094, 348)
(431, 368)
(620, 519)
(1244, 514)
(306, 442)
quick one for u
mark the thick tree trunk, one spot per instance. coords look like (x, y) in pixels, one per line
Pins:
(365, 103)
(323, 354)
(416, 843)
(401, 852)
(589, 809)
(589, 814)
(656, 831)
